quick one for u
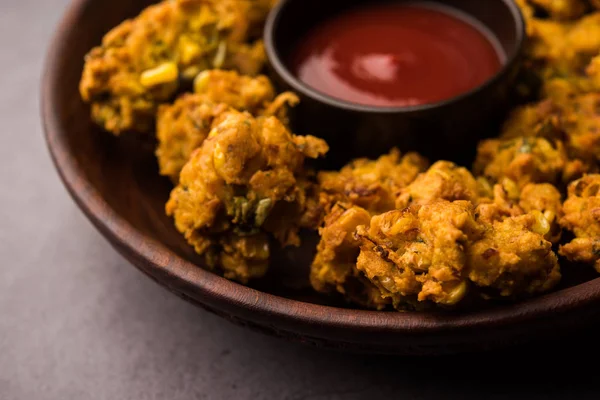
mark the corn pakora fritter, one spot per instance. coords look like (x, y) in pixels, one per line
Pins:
(582, 218)
(523, 160)
(438, 203)
(417, 254)
(513, 259)
(144, 61)
(432, 254)
(245, 180)
(542, 200)
(557, 48)
(182, 126)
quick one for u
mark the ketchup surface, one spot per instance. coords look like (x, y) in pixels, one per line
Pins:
(395, 55)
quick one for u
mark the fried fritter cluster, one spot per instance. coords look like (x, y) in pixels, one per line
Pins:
(418, 253)
(394, 232)
(145, 61)
(334, 267)
(449, 234)
(557, 139)
(432, 254)
(247, 179)
(582, 218)
(347, 199)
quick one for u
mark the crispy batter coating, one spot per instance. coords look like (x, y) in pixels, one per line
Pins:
(581, 121)
(526, 9)
(418, 254)
(334, 267)
(370, 184)
(569, 117)
(583, 40)
(566, 47)
(245, 179)
(546, 41)
(242, 92)
(562, 9)
(142, 62)
(512, 260)
(240, 257)
(183, 126)
(431, 254)
(582, 218)
(444, 180)
(558, 48)
(541, 119)
(542, 200)
(523, 160)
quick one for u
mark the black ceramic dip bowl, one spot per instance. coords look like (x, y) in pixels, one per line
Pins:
(447, 129)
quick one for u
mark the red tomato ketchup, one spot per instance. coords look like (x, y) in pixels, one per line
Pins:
(397, 55)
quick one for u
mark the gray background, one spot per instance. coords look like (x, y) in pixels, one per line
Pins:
(77, 322)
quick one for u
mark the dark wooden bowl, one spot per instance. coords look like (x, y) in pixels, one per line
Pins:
(115, 182)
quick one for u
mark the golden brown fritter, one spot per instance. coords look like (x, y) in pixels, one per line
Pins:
(444, 180)
(142, 62)
(544, 202)
(431, 254)
(560, 90)
(183, 126)
(582, 218)
(583, 41)
(370, 184)
(512, 259)
(569, 115)
(245, 179)
(418, 254)
(523, 160)
(334, 267)
(567, 47)
(581, 122)
(569, 121)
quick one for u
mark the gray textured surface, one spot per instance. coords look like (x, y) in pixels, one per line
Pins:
(77, 322)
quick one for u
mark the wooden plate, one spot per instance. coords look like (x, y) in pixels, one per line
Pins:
(116, 184)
